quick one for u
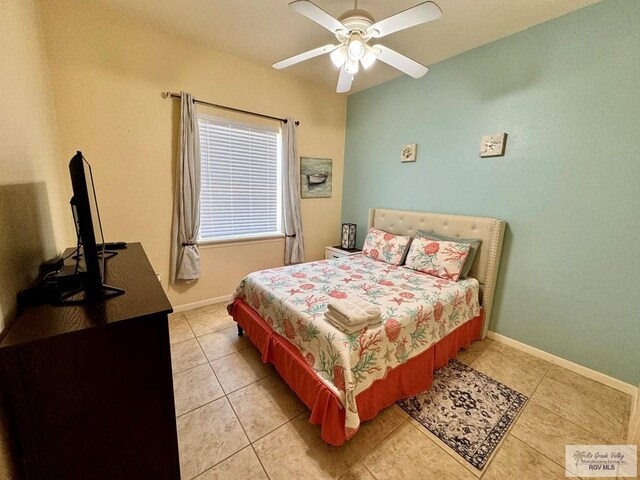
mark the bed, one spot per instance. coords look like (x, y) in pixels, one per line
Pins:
(347, 379)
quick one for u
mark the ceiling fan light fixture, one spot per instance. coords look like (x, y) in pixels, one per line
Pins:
(355, 49)
(368, 59)
(339, 56)
(351, 66)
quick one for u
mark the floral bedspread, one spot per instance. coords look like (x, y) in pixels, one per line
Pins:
(417, 311)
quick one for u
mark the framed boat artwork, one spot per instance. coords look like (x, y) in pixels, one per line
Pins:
(316, 177)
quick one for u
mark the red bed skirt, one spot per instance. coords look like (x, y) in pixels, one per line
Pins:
(406, 380)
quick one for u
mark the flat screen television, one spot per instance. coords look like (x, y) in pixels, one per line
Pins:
(91, 254)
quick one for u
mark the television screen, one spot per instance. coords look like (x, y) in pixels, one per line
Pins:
(87, 218)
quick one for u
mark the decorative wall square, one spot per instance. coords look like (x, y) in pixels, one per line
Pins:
(493, 145)
(408, 152)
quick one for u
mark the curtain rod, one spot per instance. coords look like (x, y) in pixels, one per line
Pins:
(231, 109)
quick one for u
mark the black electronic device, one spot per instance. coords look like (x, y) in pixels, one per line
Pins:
(91, 254)
(52, 265)
(112, 246)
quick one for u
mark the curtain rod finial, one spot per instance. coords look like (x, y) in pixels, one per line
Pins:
(166, 94)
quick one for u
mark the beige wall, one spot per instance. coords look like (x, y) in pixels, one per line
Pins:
(31, 210)
(108, 72)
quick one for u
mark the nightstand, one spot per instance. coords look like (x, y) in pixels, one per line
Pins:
(339, 252)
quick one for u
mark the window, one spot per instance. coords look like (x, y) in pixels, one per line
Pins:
(240, 194)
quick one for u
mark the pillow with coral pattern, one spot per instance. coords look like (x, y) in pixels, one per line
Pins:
(384, 246)
(438, 257)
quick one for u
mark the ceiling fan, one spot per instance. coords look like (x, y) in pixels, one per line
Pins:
(354, 29)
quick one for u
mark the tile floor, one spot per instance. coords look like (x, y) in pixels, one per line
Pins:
(237, 419)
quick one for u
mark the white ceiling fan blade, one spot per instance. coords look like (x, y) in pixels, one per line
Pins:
(399, 61)
(315, 13)
(344, 81)
(422, 13)
(301, 57)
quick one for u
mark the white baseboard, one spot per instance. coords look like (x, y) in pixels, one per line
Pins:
(574, 367)
(201, 303)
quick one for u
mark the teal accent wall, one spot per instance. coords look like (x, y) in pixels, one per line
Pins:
(567, 92)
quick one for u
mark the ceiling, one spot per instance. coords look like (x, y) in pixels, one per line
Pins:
(265, 31)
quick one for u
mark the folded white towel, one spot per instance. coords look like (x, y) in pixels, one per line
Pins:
(371, 309)
(354, 311)
(372, 322)
(346, 328)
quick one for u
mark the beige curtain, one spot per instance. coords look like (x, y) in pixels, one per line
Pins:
(294, 241)
(185, 257)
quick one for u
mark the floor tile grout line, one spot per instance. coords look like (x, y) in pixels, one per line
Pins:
(212, 309)
(244, 386)
(209, 362)
(280, 426)
(275, 428)
(367, 469)
(608, 402)
(580, 394)
(588, 397)
(610, 442)
(203, 335)
(251, 442)
(211, 401)
(375, 445)
(551, 366)
(566, 420)
(199, 406)
(264, 469)
(224, 327)
(224, 459)
(218, 463)
(174, 373)
(239, 421)
(544, 375)
(538, 451)
(226, 355)
(228, 456)
(188, 324)
(258, 439)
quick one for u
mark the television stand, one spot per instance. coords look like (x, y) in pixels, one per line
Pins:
(68, 297)
(89, 386)
(72, 286)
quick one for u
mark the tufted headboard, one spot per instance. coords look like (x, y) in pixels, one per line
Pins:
(489, 230)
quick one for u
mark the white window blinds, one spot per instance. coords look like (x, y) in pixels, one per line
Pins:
(240, 192)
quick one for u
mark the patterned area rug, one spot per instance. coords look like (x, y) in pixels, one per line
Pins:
(467, 410)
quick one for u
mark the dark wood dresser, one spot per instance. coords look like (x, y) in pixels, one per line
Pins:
(88, 388)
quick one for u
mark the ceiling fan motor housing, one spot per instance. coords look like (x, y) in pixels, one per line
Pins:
(356, 21)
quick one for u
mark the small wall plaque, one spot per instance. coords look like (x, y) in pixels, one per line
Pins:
(408, 153)
(493, 145)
